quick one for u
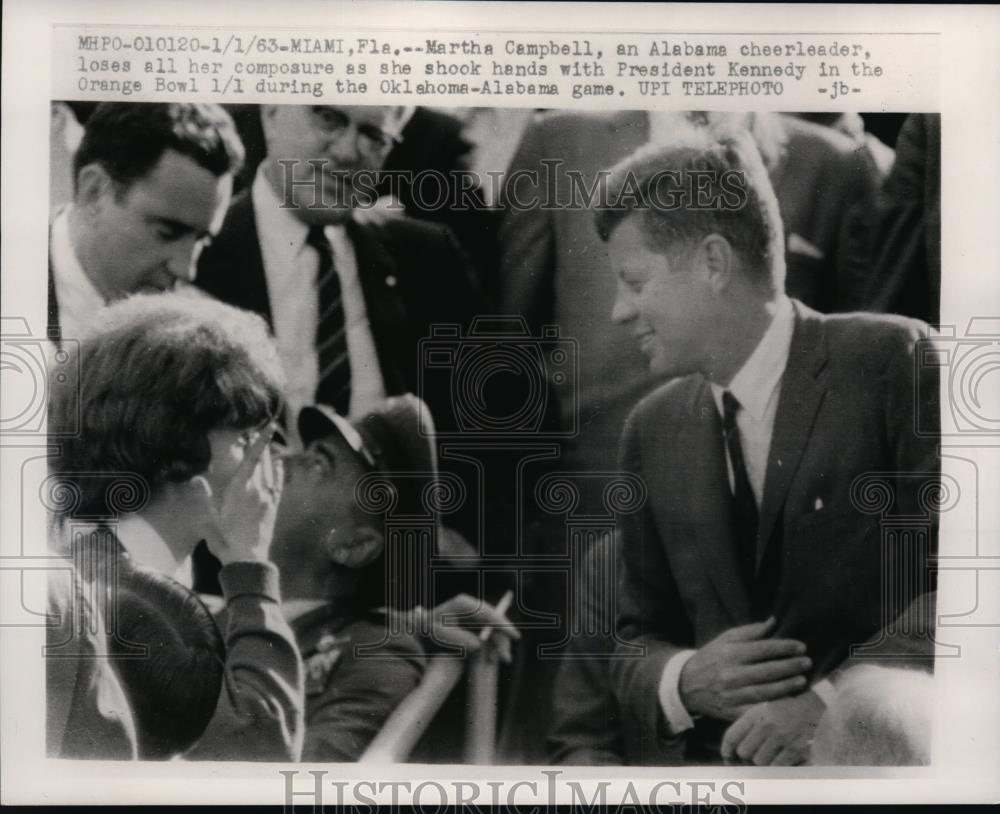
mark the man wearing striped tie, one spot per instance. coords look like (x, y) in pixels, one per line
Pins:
(348, 298)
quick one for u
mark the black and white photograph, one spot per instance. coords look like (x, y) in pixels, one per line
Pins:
(393, 446)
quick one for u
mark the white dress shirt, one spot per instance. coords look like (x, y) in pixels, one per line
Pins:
(76, 295)
(756, 386)
(291, 268)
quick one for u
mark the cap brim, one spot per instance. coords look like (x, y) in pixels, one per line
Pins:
(320, 421)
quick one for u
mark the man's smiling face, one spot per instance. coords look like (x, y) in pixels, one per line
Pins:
(668, 309)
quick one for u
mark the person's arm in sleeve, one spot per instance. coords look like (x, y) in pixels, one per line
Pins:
(260, 710)
(650, 614)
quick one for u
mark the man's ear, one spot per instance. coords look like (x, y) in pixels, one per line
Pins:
(354, 552)
(397, 117)
(717, 255)
(93, 184)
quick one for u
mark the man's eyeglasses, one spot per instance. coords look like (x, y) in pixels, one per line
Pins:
(371, 140)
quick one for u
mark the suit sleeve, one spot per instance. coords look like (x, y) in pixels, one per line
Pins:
(359, 697)
(260, 710)
(650, 614)
(527, 235)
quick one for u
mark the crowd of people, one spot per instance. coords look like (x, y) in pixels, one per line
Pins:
(261, 455)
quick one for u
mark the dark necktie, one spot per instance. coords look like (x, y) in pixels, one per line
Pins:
(744, 502)
(334, 386)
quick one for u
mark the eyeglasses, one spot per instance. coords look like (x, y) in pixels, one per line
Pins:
(333, 123)
(251, 434)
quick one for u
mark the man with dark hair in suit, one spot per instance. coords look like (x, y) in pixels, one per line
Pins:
(752, 569)
(151, 186)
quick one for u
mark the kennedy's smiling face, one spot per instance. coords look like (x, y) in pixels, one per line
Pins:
(668, 309)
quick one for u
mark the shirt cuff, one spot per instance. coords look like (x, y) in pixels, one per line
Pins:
(250, 578)
(678, 719)
(825, 690)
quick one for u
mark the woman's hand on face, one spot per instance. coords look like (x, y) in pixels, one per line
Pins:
(240, 524)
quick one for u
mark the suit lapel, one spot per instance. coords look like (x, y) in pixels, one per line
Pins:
(232, 268)
(709, 501)
(802, 392)
(387, 315)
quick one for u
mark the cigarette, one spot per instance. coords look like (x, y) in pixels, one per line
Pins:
(501, 608)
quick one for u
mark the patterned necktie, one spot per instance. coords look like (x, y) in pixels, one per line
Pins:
(334, 386)
(744, 502)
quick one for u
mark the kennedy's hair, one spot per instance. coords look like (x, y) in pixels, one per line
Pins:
(128, 139)
(156, 374)
(704, 181)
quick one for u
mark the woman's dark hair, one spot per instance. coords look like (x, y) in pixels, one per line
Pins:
(154, 377)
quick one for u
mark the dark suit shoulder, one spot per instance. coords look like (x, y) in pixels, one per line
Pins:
(239, 219)
(869, 340)
(668, 399)
(404, 231)
(658, 415)
(234, 246)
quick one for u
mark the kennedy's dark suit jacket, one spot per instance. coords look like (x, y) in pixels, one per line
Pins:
(413, 275)
(846, 410)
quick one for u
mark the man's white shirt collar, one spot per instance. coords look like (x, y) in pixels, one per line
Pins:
(76, 295)
(756, 383)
